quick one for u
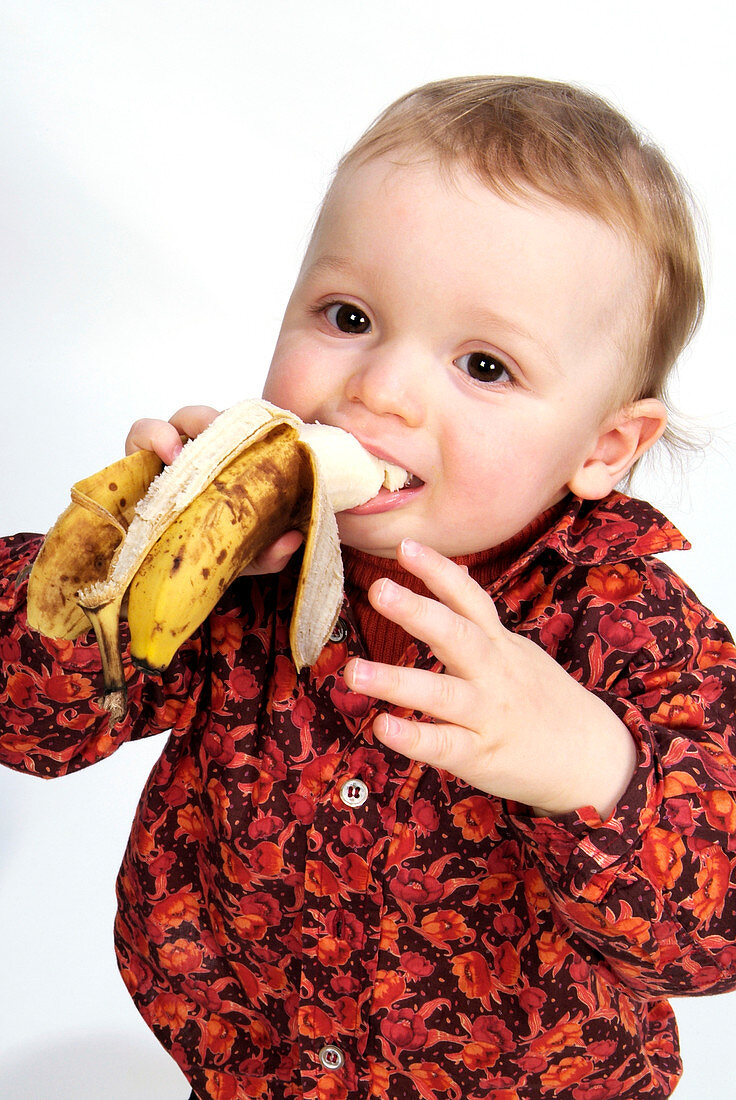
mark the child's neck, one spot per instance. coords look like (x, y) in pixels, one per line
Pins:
(386, 642)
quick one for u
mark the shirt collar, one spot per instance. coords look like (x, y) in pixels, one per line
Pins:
(593, 532)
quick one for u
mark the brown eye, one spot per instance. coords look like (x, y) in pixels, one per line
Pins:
(484, 367)
(347, 318)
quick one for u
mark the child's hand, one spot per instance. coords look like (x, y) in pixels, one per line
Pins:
(509, 719)
(164, 438)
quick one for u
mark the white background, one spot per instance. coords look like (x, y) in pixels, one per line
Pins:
(160, 166)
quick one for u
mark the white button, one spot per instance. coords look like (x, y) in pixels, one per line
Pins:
(339, 632)
(331, 1057)
(353, 792)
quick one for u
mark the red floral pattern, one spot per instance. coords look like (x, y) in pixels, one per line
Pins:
(449, 943)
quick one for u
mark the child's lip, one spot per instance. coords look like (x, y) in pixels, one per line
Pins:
(385, 500)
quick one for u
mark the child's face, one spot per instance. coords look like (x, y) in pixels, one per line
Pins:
(474, 341)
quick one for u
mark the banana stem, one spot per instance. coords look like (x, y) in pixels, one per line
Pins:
(105, 620)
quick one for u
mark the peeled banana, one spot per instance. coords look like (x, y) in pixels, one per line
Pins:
(172, 539)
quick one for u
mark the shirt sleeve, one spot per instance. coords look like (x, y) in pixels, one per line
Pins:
(51, 720)
(650, 890)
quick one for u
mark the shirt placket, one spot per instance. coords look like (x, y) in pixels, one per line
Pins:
(341, 922)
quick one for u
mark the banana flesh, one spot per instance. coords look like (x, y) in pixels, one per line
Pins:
(172, 541)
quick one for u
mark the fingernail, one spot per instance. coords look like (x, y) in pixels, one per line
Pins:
(410, 548)
(388, 592)
(360, 673)
(386, 726)
(176, 450)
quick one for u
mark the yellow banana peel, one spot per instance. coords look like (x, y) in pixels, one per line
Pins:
(172, 539)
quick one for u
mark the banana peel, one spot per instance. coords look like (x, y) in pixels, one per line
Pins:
(170, 540)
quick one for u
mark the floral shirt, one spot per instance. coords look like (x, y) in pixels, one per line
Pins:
(303, 913)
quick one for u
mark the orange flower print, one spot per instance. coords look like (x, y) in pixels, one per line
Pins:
(320, 880)
(714, 652)
(68, 687)
(259, 911)
(220, 1035)
(661, 856)
(175, 909)
(497, 887)
(681, 712)
(168, 1010)
(567, 1033)
(614, 583)
(472, 973)
(21, 689)
(566, 1072)
(180, 957)
(720, 810)
(226, 633)
(354, 872)
(476, 816)
(192, 823)
(506, 964)
(223, 1086)
(284, 681)
(266, 859)
(713, 881)
(553, 950)
(445, 924)
(314, 1022)
(332, 952)
(261, 1032)
(330, 1087)
(479, 1056)
(379, 1075)
(389, 987)
(431, 1078)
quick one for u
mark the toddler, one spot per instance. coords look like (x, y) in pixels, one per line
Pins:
(475, 847)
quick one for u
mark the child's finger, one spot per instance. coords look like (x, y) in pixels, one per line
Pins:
(443, 697)
(456, 640)
(451, 584)
(444, 746)
(158, 436)
(274, 557)
(193, 419)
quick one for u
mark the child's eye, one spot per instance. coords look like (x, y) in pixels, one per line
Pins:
(347, 317)
(484, 367)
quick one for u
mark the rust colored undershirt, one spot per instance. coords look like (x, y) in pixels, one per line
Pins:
(384, 640)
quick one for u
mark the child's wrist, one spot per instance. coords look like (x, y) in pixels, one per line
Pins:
(601, 769)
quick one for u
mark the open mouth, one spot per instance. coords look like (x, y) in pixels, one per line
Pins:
(412, 482)
(387, 498)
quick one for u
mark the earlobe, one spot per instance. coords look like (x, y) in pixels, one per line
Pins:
(623, 439)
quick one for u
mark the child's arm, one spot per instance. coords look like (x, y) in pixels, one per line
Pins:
(509, 719)
(51, 722)
(648, 887)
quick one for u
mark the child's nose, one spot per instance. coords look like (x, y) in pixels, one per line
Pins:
(390, 381)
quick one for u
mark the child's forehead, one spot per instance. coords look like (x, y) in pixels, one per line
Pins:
(394, 196)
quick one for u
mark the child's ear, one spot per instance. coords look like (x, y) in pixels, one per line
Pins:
(623, 439)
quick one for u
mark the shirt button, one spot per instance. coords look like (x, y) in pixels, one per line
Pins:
(339, 632)
(354, 792)
(331, 1057)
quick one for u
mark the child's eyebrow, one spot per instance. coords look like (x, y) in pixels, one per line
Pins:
(329, 263)
(488, 319)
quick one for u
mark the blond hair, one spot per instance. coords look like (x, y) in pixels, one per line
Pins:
(519, 133)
